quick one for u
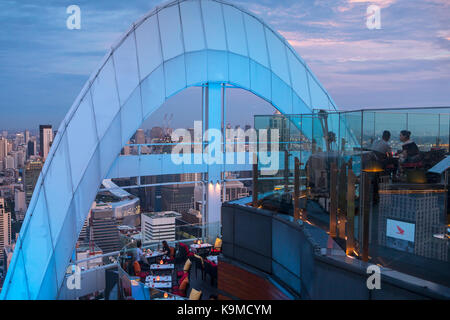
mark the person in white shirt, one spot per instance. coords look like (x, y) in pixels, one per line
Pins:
(139, 253)
(382, 145)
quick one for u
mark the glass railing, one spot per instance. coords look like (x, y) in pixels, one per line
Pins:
(389, 208)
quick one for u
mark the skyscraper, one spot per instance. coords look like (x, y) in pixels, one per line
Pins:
(3, 148)
(32, 171)
(46, 139)
(31, 149)
(104, 228)
(140, 137)
(5, 227)
(27, 136)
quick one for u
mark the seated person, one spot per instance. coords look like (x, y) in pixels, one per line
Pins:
(383, 151)
(140, 257)
(136, 267)
(410, 151)
(165, 248)
(382, 145)
(139, 253)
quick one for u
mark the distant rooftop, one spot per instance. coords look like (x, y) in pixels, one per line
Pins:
(161, 214)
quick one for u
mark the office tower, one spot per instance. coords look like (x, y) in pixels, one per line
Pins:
(20, 206)
(3, 148)
(5, 227)
(234, 190)
(158, 226)
(27, 136)
(19, 140)
(179, 198)
(46, 139)
(31, 148)
(409, 222)
(31, 175)
(9, 162)
(104, 228)
(19, 158)
(193, 216)
(140, 137)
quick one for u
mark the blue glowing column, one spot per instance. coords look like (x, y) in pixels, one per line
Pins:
(214, 158)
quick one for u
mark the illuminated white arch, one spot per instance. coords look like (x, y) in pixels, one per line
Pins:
(177, 45)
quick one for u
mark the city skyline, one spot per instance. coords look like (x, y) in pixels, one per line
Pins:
(400, 65)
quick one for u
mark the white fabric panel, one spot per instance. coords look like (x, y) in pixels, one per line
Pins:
(175, 78)
(148, 46)
(169, 25)
(277, 53)
(82, 138)
(38, 236)
(256, 40)
(153, 91)
(194, 38)
(234, 26)
(110, 146)
(299, 80)
(125, 62)
(260, 80)
(58, 184)
(214, 27)
(319, 98)
(217, 66)
(104, 97)
(131, 114)
(196, 67)
(239, 70)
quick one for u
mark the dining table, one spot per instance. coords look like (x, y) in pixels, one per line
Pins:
(201, 248)
(157, 266)
(153, 278)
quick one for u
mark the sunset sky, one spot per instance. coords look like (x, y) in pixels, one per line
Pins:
(406, 63)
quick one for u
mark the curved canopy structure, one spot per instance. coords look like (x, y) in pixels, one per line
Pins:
(177, 45)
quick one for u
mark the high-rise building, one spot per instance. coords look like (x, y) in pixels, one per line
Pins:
(9, 162)
(27, 136)
(235, 190)
(5, 227)
(20, 206)
(158, 226)
(31, 148)
(46, 139)
(31, 175)
(416, 217)
(140, 137)
(178, 197)
(105, 233)
(3, 148)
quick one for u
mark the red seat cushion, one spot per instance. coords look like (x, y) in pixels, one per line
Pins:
(179, 293)
(184, 276)
(180, 273)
